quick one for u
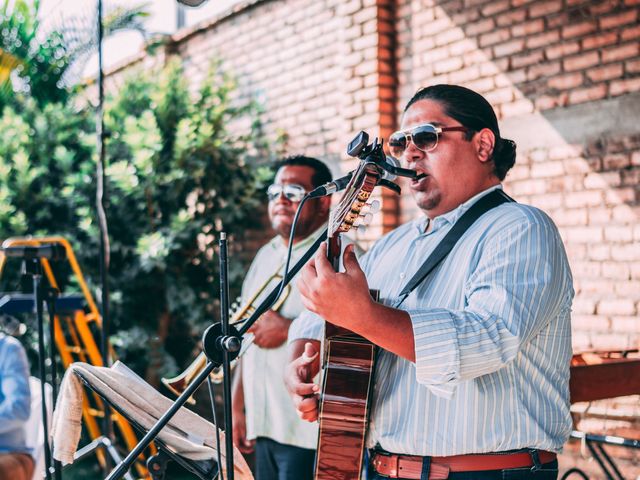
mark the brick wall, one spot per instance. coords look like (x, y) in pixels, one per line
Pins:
(564, 76)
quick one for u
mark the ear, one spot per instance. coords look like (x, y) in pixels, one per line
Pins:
(485, 143)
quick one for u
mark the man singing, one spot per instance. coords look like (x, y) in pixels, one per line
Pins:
(472, 376)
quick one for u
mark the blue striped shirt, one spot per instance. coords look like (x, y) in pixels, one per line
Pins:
(15, 398)
(492, 336)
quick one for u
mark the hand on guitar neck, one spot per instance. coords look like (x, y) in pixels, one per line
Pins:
(304, 364)
(343, 299)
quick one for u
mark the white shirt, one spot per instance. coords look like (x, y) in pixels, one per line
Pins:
(269, 408)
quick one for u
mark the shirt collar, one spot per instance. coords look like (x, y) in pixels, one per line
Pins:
(452, 216)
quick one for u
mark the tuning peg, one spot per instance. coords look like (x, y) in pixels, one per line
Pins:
(366, 218)
(374, 206)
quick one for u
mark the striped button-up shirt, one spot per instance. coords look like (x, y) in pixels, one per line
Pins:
(15, 398)
(492, 335)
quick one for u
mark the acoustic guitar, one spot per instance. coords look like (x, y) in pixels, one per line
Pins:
(348, 357)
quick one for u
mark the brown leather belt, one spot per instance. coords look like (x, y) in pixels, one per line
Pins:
(410, 467)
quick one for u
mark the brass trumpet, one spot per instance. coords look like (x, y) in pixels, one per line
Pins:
(179, 383)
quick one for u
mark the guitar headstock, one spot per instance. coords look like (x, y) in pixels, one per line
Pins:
(345, 214)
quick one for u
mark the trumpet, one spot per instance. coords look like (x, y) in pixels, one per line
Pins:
(179, 383)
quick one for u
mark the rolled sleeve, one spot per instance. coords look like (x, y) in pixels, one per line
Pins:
(307, 326)
(519, 285)
(437, 351)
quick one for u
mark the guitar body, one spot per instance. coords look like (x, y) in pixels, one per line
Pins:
(344, 410)
(348, 366)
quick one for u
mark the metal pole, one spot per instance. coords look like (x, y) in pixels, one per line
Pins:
(101, 198)
(226, 363)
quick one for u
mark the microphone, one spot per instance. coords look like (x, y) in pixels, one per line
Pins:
(191, 3)
(331, 187)
(390, 171)
(53, 252)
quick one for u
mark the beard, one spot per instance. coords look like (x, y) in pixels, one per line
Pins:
(427, 200)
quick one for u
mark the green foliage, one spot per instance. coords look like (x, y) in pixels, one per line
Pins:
(180, 169)
(42, 62)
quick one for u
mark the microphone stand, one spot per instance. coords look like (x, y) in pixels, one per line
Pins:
(233, 347)
(32, 267)
(216, 345)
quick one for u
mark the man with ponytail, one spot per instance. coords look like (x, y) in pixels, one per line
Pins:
(472, 375)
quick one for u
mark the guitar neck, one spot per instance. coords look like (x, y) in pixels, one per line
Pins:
(334, 249)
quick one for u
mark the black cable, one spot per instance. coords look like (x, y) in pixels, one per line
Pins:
(283, 282)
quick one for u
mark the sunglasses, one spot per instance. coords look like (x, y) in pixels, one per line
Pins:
(291, 191)
(424, 137)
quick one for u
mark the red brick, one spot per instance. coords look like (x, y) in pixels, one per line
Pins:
(628, 252)
(528, 28)
(600, 251)
(504, 49)
(587, 321)
(477, 28)
(544, 39)
(586, 269)
(631, 33)
(482, 85)
(509, 18)
(605, 73)
(584, 305)
(584, 234)
(618, 234)
(547, 102)
(465, 75)
(583, 199)
(516, 108)
(622, 52)
(615, 161)
(590, 94)
(578, 29)
(632, 66)
(620, 306)
(546, 69)
(620, 87)
(501, 95)
(565, 82)
(450, 36)
(524, 60)
(540, 9)
(561, 50)
(580, 62)
(494, 7)
(500, 35)
(621, 197)
(599, 40)
(627, 324)
(599, 215)
(624, 18)
(449, 65)
(600, 8)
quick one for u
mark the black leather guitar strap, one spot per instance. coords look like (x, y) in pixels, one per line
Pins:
(486, 203)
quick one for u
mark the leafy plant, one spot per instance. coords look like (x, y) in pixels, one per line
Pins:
(180, 169)
(43, 61)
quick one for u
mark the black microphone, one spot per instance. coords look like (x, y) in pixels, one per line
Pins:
(331, 187)
(191, 3)
(53, 252)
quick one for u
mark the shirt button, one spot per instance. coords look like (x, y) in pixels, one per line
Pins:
(402, 275)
